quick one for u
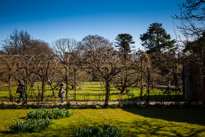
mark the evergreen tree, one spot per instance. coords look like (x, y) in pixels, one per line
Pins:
(123, 42)
(156, 39)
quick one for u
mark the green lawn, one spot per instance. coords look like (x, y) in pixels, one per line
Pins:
(135, 122)
(90, 91)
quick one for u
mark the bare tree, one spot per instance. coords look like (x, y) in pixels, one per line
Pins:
(64, 48)
(55, 76)
(9, 68)
(148, 74)
(17, 43)
(129, 76)
(20, 43)
(24, 71)
(42, 69)
(192, 17)
(99, 57)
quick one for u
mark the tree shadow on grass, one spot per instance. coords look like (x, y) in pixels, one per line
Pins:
(148, 128)
(6, 132)
(139, 127)
(187, 115)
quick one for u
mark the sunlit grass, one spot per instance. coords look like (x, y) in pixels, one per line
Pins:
(89, 91)
(129, 120)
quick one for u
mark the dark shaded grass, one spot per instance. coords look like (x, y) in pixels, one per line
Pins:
(187, 115)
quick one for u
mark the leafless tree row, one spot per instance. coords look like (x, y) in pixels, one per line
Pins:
(96, 58)
(72, 62)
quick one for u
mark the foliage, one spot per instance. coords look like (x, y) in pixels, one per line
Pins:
(123, 41)
(194, 51)
(38, 114)
(98, 106)
(86, 131)
(32, 125)
(52, 114)
(107, 131)
(110, 131)
(39, 120)
(59, 113)
(156, 39)
(195, 47)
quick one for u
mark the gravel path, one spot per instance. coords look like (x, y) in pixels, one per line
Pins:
(92, 102)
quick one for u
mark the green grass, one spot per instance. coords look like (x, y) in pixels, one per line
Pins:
(135, 122)
(91, 91)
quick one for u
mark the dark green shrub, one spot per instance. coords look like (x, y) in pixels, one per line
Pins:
(98, 106)
(110, 131)
(107, 131)
(131, 94)
(142, 105)
(30, 125)
(3, 105)
(59, 113)
(74, 106)
(52, 114)
(127, 91)
(38, 114)
(87, 132)
(114, 106)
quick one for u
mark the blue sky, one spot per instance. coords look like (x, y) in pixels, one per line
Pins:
(50, 20)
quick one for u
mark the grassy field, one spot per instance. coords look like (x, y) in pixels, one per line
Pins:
(135, 122)
(91, 91)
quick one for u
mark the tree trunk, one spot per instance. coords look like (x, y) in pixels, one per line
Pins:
(148, 86)
(66, 82)
(26, 82)
(53, 88)
(74, 86)
(123, 88)
(53, 91)
(141, 92)
(43, 90)
(107, 89)
(124, 84)
(203, 77)
(9, 81)
(186, 83)
(26, 90)
(141, 81)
